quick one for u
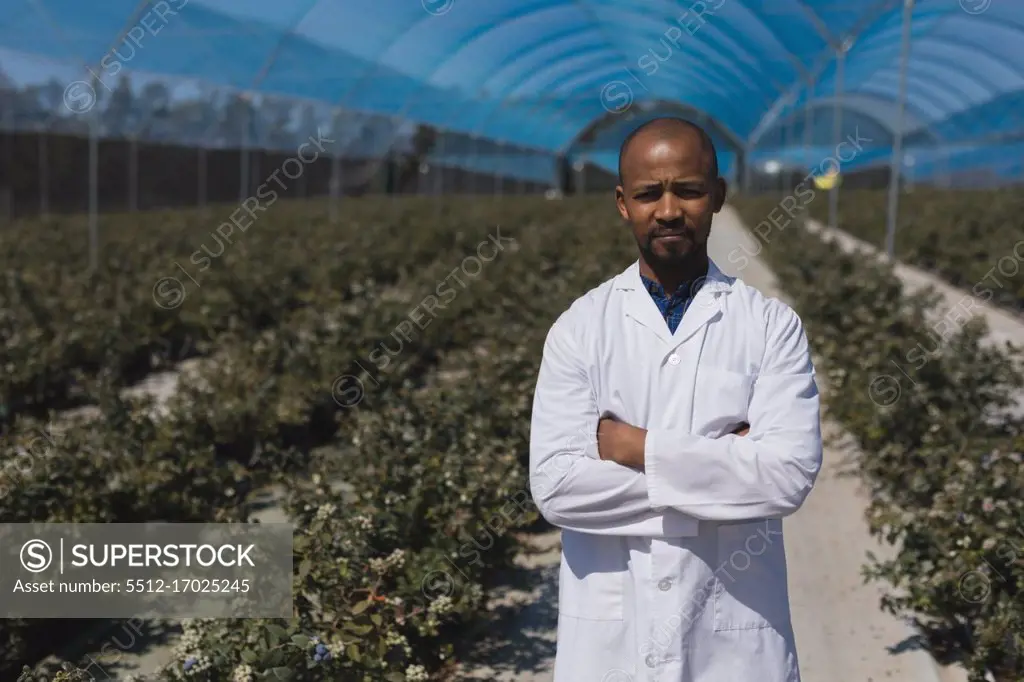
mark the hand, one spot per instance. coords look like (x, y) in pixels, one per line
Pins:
(742, 430)
(621, 443)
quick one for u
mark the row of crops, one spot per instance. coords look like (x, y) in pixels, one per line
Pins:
(929, 406)
(973, 240)
(396, 351)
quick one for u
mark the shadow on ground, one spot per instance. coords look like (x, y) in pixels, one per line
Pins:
(115, 650)
(517, 641)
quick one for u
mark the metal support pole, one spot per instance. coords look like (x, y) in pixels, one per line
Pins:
(785, 139)
(438, 167)
(747, 164)
(303, 174)
(794, 145)
(94, 228)
(201, 163)
(896, 163)
(579, 167)
(499, 157)
(7, 162)
(776, 182)
(381, 159)
(472, 181)
(480, 147)
(243, 163)
(517, 176)
(335, 185)
(44, 172)
(201, 175)
(808, 160)
(521, 182)
(254, 162)
(837, 131)
(133, 173)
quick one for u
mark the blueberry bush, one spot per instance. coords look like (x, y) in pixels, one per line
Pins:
(929, 405)
(408, 384)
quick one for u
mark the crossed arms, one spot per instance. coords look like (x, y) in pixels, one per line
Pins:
(604, 477)
(624, 444)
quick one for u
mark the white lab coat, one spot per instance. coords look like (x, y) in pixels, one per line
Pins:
(676, 573)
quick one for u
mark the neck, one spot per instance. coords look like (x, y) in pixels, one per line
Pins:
(671, 275)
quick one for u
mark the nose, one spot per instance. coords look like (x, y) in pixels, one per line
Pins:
(668, 209)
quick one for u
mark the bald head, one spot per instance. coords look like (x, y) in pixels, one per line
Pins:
(665, 129)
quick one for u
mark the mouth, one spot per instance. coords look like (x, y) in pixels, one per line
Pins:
(671, 236)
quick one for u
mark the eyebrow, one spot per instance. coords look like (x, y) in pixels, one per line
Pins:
(689, 182)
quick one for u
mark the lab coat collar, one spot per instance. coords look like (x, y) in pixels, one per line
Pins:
(640, 307)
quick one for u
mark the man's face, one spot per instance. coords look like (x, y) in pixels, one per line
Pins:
(669, 195)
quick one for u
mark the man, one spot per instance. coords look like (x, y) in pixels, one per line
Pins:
(669, 446)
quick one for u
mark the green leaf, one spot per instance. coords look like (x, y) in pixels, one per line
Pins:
(353, 653)
(357, 629)
(273, 636)
(300, 640)
(281, 673)
(376, 618)
(249, 656)
(360, 607)
(277, 631)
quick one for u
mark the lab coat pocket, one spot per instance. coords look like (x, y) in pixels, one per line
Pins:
(751, 590)
(592, 577)
(721, 401)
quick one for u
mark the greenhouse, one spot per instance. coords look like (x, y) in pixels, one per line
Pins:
(516, 92)
(297, 262)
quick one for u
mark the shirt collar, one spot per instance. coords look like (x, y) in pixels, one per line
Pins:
(683, 291)
(716, 282)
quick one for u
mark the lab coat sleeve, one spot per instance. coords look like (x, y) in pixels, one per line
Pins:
(572, 486)
(769, 472)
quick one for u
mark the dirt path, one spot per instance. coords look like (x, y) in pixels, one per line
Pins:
(522, 648)
(956, 307)
(842, 634)
(958, 302)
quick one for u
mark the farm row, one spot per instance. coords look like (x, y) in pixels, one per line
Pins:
(397, 351)
(169, 291)
(942, 454)
(403, 366)
(972, 239)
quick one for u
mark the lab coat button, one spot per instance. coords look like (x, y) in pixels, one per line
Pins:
(673, 359)
(650, 661)
(665, 585)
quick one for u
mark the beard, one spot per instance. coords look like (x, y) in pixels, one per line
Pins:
(688, 250)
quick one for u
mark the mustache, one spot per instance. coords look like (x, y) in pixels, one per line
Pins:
(665, 231)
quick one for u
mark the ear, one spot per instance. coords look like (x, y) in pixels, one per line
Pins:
(620, 201)
(721, 189)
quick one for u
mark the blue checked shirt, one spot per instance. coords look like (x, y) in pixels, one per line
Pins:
(672, 307)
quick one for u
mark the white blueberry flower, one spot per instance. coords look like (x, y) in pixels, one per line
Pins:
(325, 511)
(441, 605)
(242, 673)
(416, 673)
